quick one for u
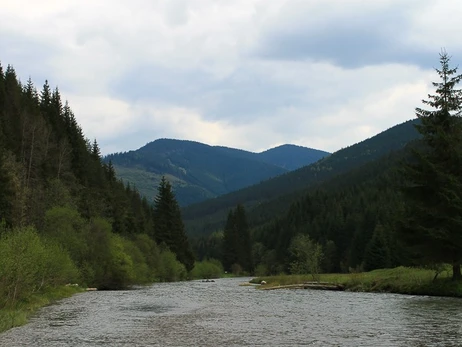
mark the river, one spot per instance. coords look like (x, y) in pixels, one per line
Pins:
(222, 313)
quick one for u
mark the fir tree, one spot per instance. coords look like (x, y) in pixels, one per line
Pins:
(230, 243)
(237, 248)
(168, 224)
(377, 254)
(433, 224)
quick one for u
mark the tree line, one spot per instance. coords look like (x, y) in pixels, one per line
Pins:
(401, 209)
(65, 217)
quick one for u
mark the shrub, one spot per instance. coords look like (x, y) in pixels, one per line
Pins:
(207, 269)
(28, 263)
(170, 269)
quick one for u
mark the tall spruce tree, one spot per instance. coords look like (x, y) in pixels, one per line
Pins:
(168, 225)
(237, 248)
(433, 223)
(230, 243)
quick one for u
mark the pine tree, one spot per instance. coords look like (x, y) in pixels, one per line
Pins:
(433, 224)
(6, 191)
(45, 98)
(168, 224)
(377, 254)
(244, 250)
(230, 242)
(237, 248)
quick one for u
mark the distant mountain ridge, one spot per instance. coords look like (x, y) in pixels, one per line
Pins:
(288, 156)
(272, 197)
(198, 171)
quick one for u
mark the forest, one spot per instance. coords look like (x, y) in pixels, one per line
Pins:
(400, 208)
(65, 216)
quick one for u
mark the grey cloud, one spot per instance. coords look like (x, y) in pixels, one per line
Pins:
(28, 57)
(350, 42)
(242, 95)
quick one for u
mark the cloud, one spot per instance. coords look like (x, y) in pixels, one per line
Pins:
(352, 34)
(244, 73)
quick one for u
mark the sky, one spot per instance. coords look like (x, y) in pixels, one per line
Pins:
(249, 74)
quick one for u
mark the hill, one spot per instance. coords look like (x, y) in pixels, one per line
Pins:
(198, 171)
(289, 157)
(273, 197)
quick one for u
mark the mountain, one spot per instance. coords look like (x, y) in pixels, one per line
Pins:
(273, 197)
(198, 171)
(289, 157)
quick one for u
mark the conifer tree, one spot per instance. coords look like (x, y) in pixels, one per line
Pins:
(377, 254)
(237, 248)
(245, 248)
(230, 242)
(168, 225)
(433, 224)
(45, 97)
(6, 193)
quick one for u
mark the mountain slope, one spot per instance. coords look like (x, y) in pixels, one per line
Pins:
(196, 171)
(275, 195)
(289, 157)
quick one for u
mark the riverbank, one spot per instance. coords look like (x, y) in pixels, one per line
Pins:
(400, 280)
(19, 313)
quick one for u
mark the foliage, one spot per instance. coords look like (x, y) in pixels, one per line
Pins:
(207, 269)
(434, 178)
(169, 227)
(272, 198)
(306, 256)
(237, 249)
(377, 254)
(170, 268)
(89, 227)
(28, 263)
(341, 216)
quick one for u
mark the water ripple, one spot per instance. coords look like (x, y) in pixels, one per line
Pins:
(223, 314)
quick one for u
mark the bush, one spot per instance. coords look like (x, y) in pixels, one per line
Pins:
(236, 269)
(207, 269)
(170, 269)
(141, 272)
(28, 263)
(261, 270)
(68, 228)
(151, 253)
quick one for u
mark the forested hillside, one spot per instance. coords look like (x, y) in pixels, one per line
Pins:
(65, 217)
(273, 197)
(402, 208)
(199, 172)
(352, 216)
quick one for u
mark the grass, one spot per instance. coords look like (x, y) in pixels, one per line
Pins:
(402, 280)
(18, 314)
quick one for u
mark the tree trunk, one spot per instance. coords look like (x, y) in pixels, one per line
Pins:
(456, 274)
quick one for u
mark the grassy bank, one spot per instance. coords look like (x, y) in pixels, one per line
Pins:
(18, 314)
(400, 280)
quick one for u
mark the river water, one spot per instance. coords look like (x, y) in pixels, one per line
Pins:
(223, 313)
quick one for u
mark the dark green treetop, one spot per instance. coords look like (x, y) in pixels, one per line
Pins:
(237, 248)
(433, 223)
(168, 225)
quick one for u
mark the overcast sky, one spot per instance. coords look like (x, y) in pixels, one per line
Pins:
(250, 74)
